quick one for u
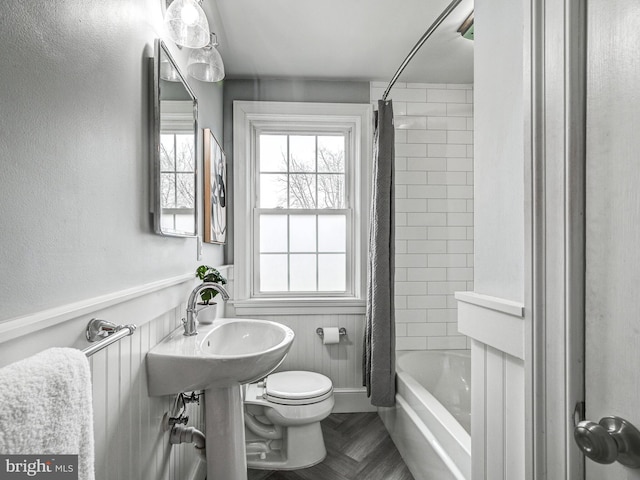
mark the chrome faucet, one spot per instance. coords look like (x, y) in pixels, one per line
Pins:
(190, 323)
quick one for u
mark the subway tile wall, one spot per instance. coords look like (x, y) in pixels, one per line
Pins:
(434, 210)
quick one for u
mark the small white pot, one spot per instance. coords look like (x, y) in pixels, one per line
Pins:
(207, 313)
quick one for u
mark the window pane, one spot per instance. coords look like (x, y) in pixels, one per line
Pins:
(167, 155)
(273, 273)
(331, 154)
(331, 191)
(303, 273)
(332, 236)
(168, 222)
(332, 276)
(185, 187)
(168, 190)
(273, 191)
(302, 152)
(303, 233)
(185, 154)
(302, 190)
(273, 153)
(184, 223)
(273, 233)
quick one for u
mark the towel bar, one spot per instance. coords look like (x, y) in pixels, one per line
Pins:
(105, 333)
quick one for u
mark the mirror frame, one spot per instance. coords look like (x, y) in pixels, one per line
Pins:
(156, 207)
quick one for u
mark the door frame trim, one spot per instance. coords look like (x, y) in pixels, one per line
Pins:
(555, 129)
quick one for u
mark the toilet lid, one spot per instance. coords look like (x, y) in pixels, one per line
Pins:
(297, 386)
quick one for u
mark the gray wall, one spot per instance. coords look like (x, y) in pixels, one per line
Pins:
(499, 151)
(74, 153)
(279, 90)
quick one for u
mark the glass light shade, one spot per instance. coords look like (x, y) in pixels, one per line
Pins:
(186, 24)
(168, 72)
(205, 64)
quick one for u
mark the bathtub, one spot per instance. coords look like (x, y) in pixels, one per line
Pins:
(430, 422)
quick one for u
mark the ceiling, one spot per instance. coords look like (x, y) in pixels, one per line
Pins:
(340, 39)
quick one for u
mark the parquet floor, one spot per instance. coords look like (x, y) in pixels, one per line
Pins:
(358, 448)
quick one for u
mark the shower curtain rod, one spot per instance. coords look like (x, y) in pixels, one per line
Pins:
(417, 46)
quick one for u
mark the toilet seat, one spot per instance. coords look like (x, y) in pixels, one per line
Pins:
(297, 388)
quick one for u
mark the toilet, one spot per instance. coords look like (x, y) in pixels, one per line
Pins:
(282, 416)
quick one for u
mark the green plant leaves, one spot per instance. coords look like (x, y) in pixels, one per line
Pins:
(209, 274)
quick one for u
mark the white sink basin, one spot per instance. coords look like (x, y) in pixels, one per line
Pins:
(228, 352)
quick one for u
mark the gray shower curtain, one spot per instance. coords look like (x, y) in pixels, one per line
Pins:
(379, 341)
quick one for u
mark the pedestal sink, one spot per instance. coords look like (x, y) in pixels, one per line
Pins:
(223, 356)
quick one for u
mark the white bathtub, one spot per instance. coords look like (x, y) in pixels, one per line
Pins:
(430, 423)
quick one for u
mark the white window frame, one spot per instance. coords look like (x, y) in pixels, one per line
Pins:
(249, 119)
(177, 119)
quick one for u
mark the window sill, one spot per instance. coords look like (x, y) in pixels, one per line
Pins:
(299, 306)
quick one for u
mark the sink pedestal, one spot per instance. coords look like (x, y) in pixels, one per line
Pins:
(224, 354)
(224, 429)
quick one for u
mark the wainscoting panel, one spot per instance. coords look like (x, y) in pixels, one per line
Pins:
(342, 362)
(498, 393)
(497, 414)
(129, 440)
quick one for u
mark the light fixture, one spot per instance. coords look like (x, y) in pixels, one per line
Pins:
(205, 64)
(186, 24)
(466, 29)
(168, 71)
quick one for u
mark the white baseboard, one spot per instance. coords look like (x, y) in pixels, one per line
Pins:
(352, 400)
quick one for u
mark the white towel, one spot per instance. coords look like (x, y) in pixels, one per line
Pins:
(46, 407)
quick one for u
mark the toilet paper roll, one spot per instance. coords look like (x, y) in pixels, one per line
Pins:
(331, 335)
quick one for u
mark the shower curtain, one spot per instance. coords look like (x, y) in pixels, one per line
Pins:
(379, 341)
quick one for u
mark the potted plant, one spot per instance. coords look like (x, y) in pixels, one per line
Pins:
(207, 309)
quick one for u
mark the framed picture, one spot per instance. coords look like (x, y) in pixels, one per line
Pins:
(215, 190)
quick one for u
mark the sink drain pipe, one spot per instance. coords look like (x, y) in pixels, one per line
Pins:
(181, 434)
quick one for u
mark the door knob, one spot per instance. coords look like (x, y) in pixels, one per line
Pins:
(611, 439)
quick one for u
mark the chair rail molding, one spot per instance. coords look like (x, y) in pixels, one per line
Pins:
(24, 325)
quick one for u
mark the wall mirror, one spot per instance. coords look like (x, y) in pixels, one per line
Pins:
(174, 149)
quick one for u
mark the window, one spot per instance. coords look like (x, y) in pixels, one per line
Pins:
(177, 187)
(300, 200)
(177, 166)
(302, 212)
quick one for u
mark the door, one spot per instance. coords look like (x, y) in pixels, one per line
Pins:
(612, 287)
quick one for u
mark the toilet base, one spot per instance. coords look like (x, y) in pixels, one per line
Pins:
(301, 447)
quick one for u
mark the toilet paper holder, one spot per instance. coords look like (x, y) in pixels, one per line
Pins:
(320, 331)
